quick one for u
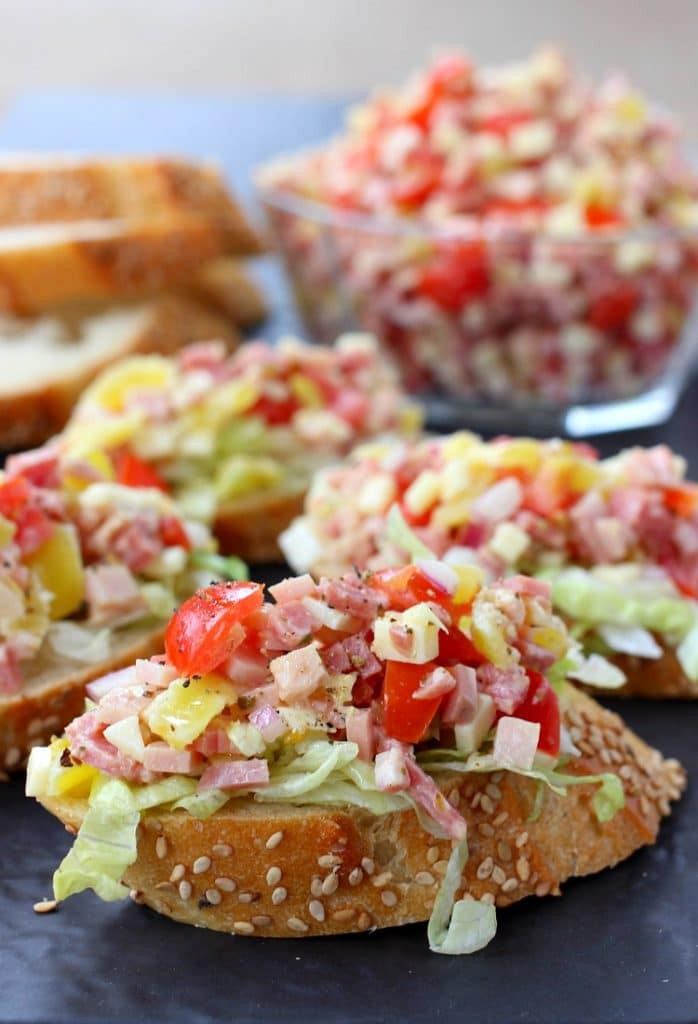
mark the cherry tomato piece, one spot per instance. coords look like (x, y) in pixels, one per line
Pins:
(134, 472)
(173, 534)
(405, 718)
(541, 705)
(456, 274)
(612, 310)
(198, 635)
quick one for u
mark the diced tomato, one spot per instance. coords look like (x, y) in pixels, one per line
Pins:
(456, 274)
(455, 648)
(535, 204)
(14, 494)
(612, 309)
(34, 526)
(450, 75)
(502, 124)
(134, 472)
(541, 705)
(173, 534)
(421, 177)
(549, 491)
(682, 500)
(599, 216)
(684, 573)
(414, 519)
(409, 586)
(405, 718)
(198, 635)
(275, 411)
(352, 406)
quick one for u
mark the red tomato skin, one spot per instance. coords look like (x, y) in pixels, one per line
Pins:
(598, 216)
(682, 500)
(275, 412)
(404, 718)
(541, 705)
(611, 311)
(197, 638)
(34, 526)
(455, 648)
(173, 534)
(455, 275)
(134, 472)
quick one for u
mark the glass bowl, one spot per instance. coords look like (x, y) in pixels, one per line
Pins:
(506, 330)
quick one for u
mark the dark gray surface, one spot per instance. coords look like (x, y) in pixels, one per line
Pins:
(622, 946)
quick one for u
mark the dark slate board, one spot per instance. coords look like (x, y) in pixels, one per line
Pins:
(621, 946)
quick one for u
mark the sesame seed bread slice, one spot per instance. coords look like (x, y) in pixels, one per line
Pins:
(54, 693)
(275, 870)
(657, 678)
(46, 362)
(53, 188)
(250, 526)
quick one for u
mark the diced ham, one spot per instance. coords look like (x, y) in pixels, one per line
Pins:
(155, 673)
(287, 626)
(461, 704)
(516, 742)
(336, 659)
(437, 684)
(213, 741)
(137, 544)
(426, 793)
(39, 466)
(506, 686)
(401, 638)
(352, 596)
(295, 588)
(247, 667)
(529, 586)
(121, 703)
(498, 502)
(655, 465)
(352, 654)
(535, 656)
(111, 590)
(123, 677)
(244, 774)
(10, 674)
(269, 722)
(360, 730)
(87, 744)
(202, 355)
(159, 757)
(391, 769)
(298, 673)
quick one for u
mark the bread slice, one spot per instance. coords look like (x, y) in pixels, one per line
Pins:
(54, 694)
(657, 678)
(227, 285)
(52, 188)
(46, 265)
(257, 869)
(46, 362)
(250, 526)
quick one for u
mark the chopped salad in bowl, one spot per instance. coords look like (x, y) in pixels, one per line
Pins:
(510, 234)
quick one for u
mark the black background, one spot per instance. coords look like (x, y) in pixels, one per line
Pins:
(621, 946)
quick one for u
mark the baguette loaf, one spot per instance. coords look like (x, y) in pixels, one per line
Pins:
(44, 189)
(46, 362)
(227, 285)
(274, 870)
(54, 694)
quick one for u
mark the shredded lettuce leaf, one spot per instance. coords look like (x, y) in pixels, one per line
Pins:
(687, 654)
(79, 643)
(400, 534)
(202, 805)
(462, 927)
(306, 772)
(227, 568)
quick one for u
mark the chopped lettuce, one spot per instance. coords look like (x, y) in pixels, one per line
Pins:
(202, 805)
(226, 568)
(464, 926)
(687, 654)
(400, 534)
(306, 772)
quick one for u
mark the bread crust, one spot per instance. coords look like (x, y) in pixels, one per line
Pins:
(53, 696)
(268, 870)
(227, 285)
(657, 678)
(250, 527)
(166, 325)
(48, 189)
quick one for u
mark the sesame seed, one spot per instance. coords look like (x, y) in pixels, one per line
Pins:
(503, 851)
(605, 756)
(261, 920)
(543, 888)
(485, 868)
(137, 896)
(45, 906)
(424, 878)
(345, 914)
(454, 798)
(382, 879)
(368, 865)
(213, 896)
(500, 819)
(644, 805)
(510, 885)
(273, 876)
(221, 850)
(497, 777)
(243, 927)
(498, 875)
(389, 898)
(316, 910)
(247, 897)
(154, 824)
(13, 757)
(184, 890)
(329, 860)
(330, 884)
(279, 895)
(485, 829)
(493, 791)
(225, 884)
(476, 800)
(364, 921)
(355, 876)
(523, 869)
(160, 847)
(487, 897)
(200, 865)
(316, 886)
(35, 726)
(440, 867)
(165, 886)
(432, 854)
(486, 804)
(521, 840)
(625, 771)
(296, 925)
(274, 840)
(177, 873)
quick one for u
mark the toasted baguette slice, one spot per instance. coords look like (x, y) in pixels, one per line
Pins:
(44, 266)
(343, 870)
(228, 286)
(49, 188)
(55, 694)
(253, 524)
(46, 362)
(656, 679)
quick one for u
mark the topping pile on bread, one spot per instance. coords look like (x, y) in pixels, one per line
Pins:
(100, 258)
(361, 753)
(617, 538)
(236, 438)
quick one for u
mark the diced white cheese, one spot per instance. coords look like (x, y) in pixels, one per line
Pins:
(532, 140)
(469, 735)
(422, 492)
(376, 495)
(340, 686)
(300, 546)
(509, 542)
(298, 673)
(632, 256)
(422, 626)
(127, 737)
(516, 742)
(247, 738)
